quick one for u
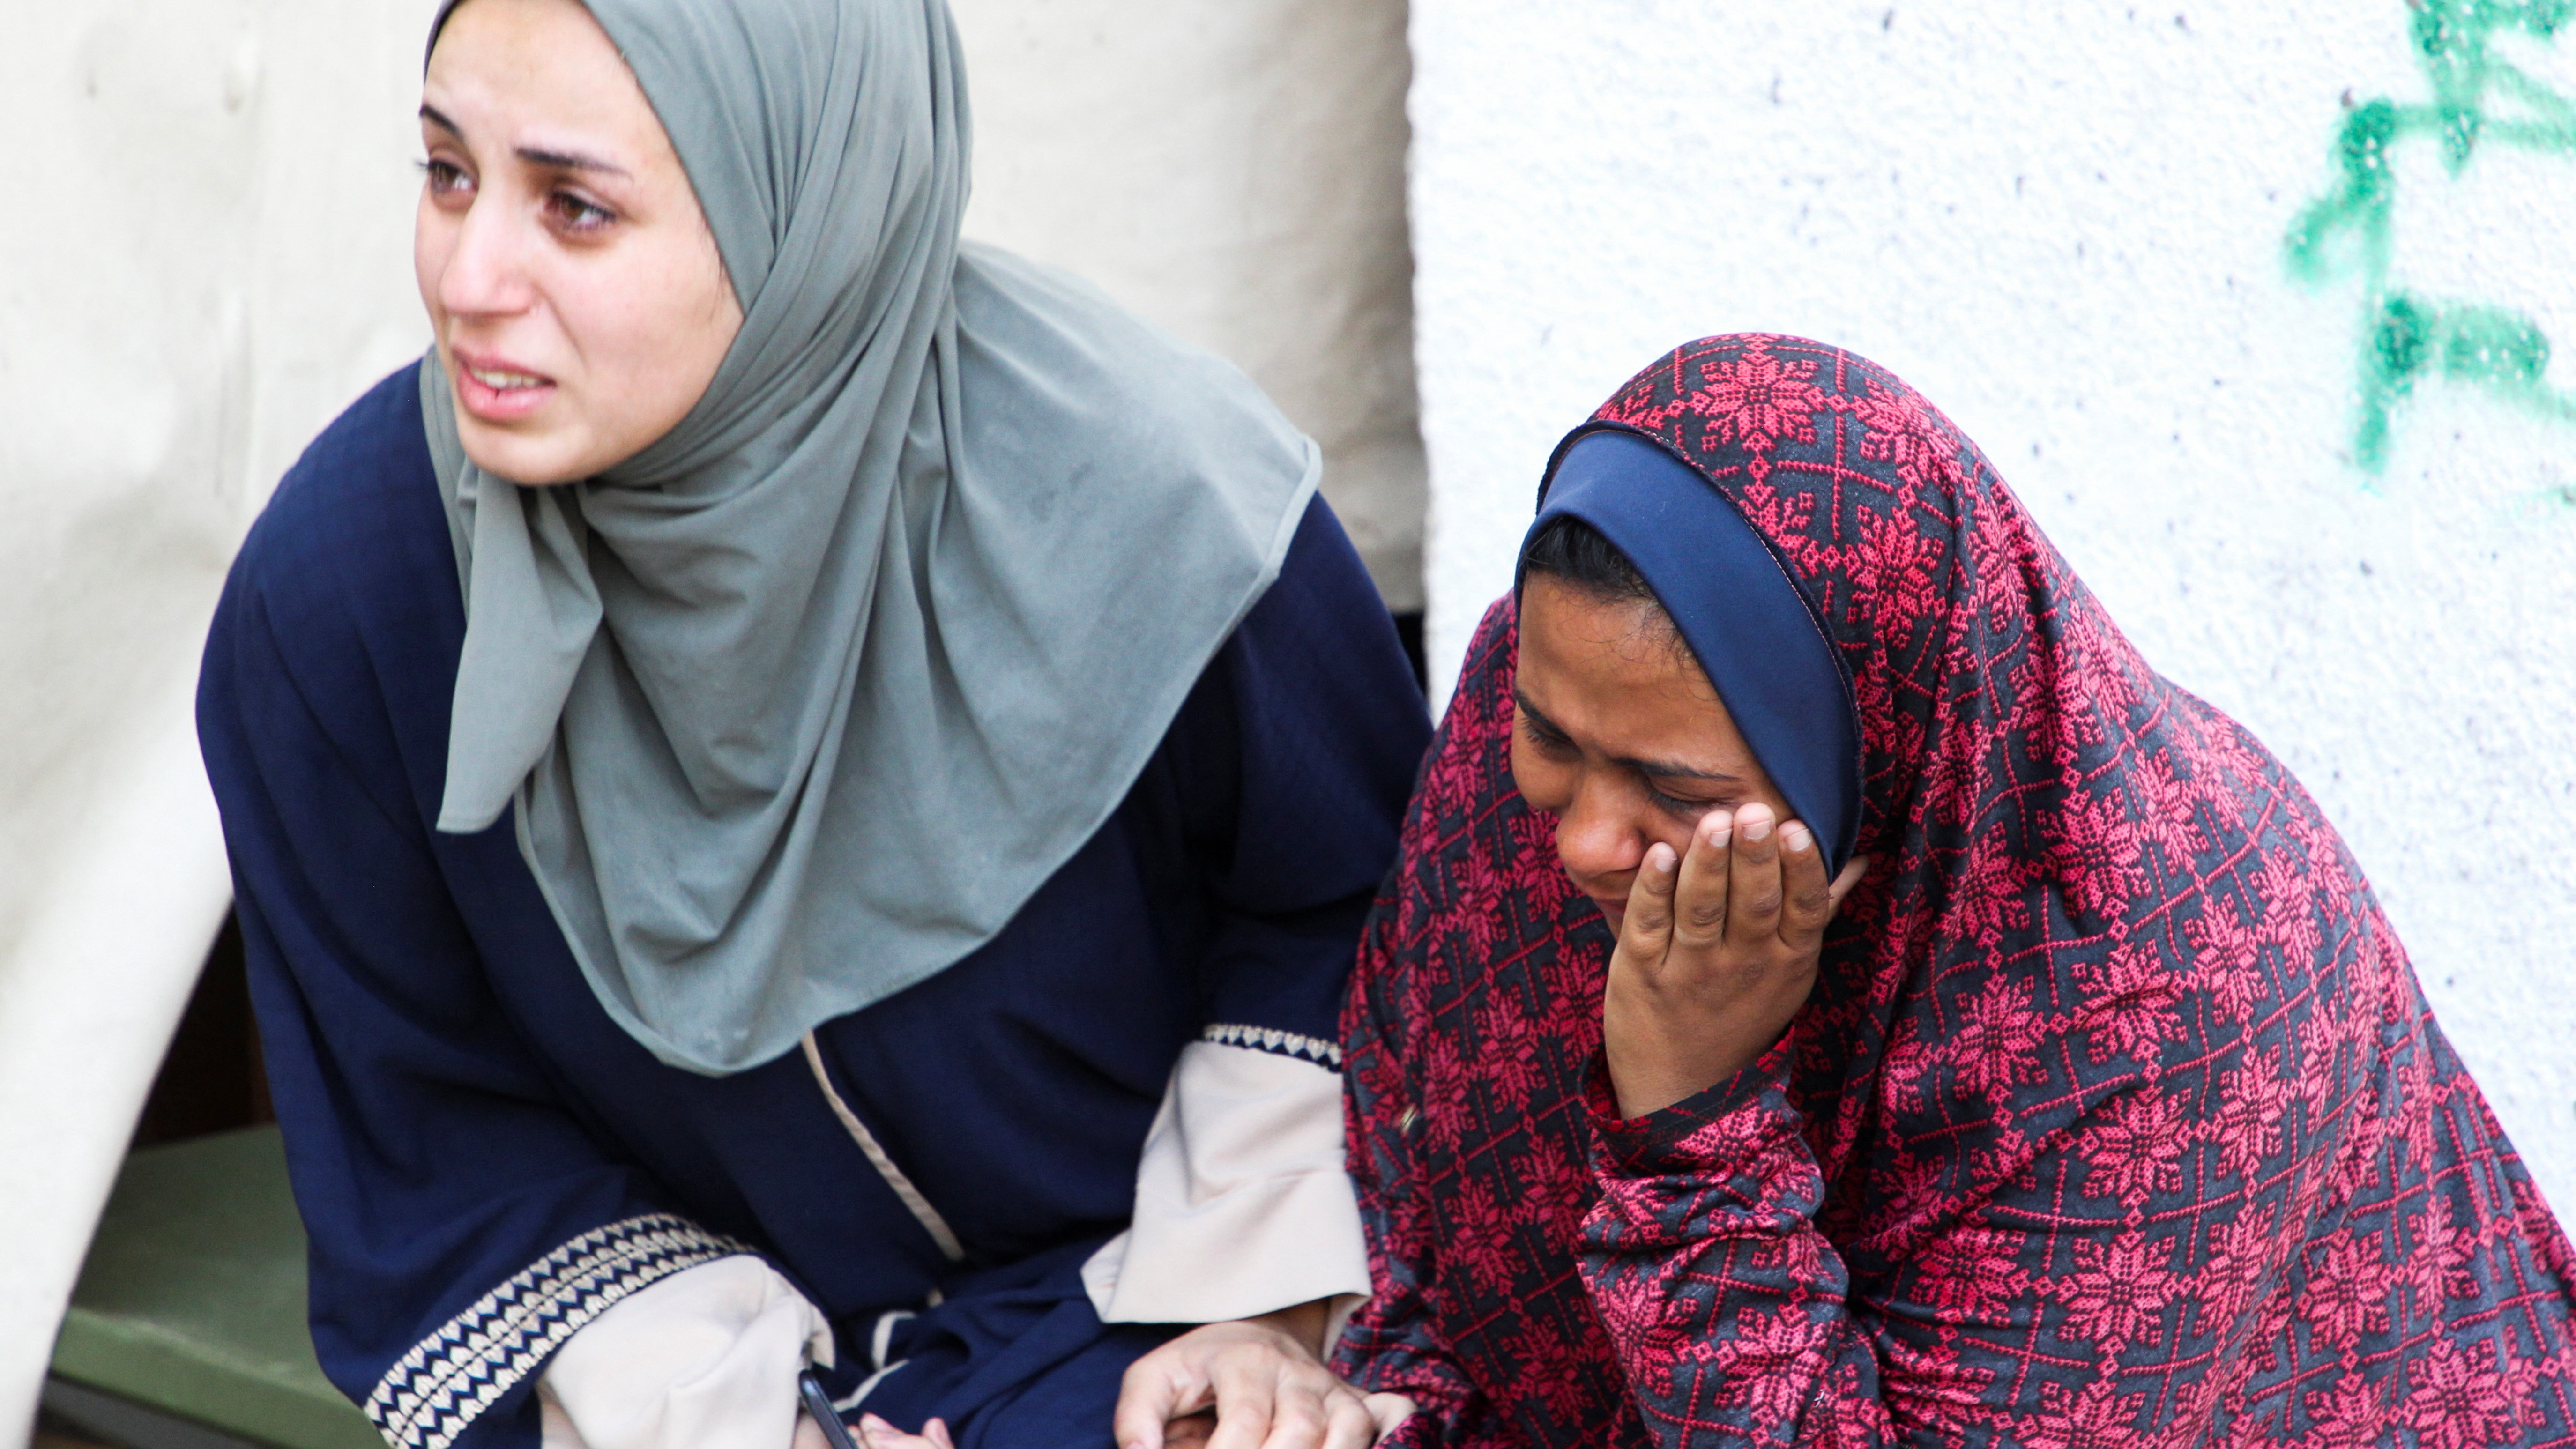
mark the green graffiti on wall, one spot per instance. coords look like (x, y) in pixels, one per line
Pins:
(2479, 100)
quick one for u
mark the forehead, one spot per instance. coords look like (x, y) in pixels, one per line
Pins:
(545, 62)
(1616, 676)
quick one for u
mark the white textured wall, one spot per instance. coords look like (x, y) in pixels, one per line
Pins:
(1234, 171)
(2064, 223)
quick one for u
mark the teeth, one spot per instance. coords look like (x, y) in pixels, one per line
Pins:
(504, 380)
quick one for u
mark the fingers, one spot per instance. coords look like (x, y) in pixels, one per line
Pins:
(1148, 1398)
(876, 1433)
(1650, 905)
(1853, 870)
(1388, 1410)
(1700, 894)
(1808, 896)
(1245, 1399)
(1753, 890)
(1299, 1419)
(1347, 1421)
(1294, 1407)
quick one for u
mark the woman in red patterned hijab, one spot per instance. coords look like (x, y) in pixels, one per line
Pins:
(2105, 1111)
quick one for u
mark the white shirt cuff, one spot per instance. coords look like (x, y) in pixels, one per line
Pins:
(1242, 1203)
(704, 1359)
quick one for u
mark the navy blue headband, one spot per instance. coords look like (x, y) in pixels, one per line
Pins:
(1747, 624)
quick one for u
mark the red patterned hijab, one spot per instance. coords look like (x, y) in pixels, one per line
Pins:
(2114, 1020)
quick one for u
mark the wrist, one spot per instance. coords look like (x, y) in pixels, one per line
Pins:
(1302, 1324)
(1675, 1137)
(1651, 1067)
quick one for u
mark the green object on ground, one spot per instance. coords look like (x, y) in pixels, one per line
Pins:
(192, 1299)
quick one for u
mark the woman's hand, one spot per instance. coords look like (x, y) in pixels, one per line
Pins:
(1263, 1379)
(1715, 956)
(876, 1433)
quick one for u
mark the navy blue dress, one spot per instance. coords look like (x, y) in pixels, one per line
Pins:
(484, 1160)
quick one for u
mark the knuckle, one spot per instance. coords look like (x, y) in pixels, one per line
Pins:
(1763, 904)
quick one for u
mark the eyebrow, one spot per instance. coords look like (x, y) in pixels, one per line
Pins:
(534, 156)
(1659, 769)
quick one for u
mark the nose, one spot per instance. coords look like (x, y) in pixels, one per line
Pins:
(486, 271)
(1597, 834)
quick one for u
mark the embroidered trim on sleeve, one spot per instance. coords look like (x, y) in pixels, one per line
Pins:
(449, 1378)
(1279, 1043)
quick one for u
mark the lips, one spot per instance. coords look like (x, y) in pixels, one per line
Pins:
(495, 389)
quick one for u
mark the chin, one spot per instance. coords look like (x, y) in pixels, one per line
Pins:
(533, 462)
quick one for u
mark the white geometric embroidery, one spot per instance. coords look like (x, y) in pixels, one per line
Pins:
(1279, 1043)
(449, 1378)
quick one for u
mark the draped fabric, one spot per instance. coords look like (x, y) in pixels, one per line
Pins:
(799, 705)
(1748, 627)
(485, 1160)
(2117, 1115)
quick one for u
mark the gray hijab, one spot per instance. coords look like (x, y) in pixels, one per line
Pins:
(799, 705)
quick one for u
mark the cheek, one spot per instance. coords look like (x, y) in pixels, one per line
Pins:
(650, 330)
(433, 240)
(1546, 784)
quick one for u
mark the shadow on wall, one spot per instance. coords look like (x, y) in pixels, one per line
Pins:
(212, 1079)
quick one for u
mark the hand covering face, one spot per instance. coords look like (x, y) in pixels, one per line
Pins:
(798, 706)
(2117, 1115)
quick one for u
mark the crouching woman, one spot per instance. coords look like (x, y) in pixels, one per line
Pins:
(1835, 992)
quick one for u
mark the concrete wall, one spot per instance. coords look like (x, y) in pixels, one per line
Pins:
(205, 254)
(2066, 223)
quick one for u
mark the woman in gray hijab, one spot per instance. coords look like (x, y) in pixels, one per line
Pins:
(801, 793)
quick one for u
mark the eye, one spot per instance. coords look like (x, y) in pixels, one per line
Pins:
(446, 178)
(578, 214)
(1677, 807)
(1689, 808)
(1549, 742)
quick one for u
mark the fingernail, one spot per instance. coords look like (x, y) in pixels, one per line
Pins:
(1756, 823)
(1795, 836)
(1659, 857)
(1720, 827)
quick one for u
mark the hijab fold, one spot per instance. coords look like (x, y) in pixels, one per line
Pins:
(1754, 634)
(800, 704)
